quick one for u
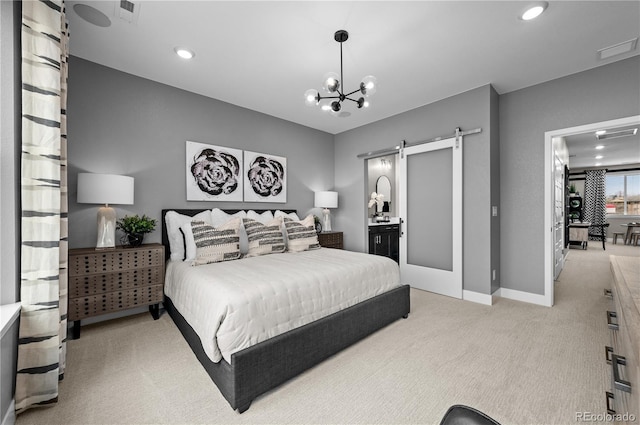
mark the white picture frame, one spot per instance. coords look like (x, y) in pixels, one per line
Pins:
(213, 173)
(265, 177)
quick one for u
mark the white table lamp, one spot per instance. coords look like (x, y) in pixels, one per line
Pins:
(326, 200)
(105, 189)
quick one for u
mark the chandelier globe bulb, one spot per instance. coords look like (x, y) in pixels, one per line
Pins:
(331, 82)
(311, 97)
(336, 106)
(369, 85)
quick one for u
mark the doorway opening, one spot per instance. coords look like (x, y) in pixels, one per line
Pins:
(550, 205)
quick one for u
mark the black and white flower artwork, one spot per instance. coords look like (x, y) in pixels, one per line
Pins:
(265, 177)
(213, 173)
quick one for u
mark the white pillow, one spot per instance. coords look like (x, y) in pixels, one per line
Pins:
(262, 218)
(189, 242)
(219, 217)
(176, 240)
(292, 215)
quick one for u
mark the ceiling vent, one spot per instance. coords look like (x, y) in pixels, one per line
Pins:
(618, 49)
(616, 134)
(128, 11)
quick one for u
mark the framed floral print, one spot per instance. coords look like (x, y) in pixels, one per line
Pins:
(213, 173)
(265, 177)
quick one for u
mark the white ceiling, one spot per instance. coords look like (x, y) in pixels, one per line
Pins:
(615, 151)
(263, 55)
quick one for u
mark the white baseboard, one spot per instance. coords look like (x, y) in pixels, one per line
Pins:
(477, 297)
(10, 416)
(526, 297)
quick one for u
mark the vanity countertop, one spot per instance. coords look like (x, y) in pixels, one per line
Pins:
(392, 220)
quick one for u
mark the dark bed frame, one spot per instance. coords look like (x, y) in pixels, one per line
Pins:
(262, 367)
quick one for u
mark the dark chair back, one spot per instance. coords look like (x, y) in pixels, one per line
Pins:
(599, 236)
(465, 415)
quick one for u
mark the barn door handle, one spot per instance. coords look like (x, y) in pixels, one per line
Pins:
(610, 323)
(609, 396)
(607, 351)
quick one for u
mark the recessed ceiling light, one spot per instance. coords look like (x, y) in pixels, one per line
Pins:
(184, 53)
(599, 156)
(534, 10)
(600, 132)
(599, 147)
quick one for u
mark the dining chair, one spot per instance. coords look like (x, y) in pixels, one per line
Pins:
(600, 236)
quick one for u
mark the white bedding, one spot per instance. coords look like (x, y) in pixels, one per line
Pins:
(236, 304)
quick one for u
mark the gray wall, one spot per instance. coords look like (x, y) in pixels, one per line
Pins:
(468, 110)
(123, 124)
(9, 190)
(603, 93)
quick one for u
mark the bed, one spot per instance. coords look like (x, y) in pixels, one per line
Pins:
(252, 367)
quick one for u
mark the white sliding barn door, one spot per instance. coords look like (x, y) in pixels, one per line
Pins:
(431, 213)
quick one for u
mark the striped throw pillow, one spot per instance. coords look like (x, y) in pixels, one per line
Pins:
(301, 235)
(216, 244)
(264, 238)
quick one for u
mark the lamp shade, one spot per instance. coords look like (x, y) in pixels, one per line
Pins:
(326, 199)
(104, 189)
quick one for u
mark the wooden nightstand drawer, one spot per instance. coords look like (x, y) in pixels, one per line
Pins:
(85, 261)
(94, 305)
(90, 284)
(331, 240)
(104, 281)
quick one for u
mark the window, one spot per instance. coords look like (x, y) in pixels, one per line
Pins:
(623, 193)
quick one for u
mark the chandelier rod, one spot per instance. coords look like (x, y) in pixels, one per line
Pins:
(341, 76)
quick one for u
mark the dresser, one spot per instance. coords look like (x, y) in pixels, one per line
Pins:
(623, 355)
(331, 240)
(111, 280)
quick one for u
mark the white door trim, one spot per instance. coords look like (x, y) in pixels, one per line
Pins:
(549, 188)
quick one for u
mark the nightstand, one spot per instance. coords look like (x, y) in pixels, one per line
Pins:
(109, 280)
(330, 240)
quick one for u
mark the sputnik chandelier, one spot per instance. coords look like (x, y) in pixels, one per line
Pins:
(334, 85)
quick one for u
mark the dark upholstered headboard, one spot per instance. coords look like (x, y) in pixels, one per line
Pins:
(191, 213)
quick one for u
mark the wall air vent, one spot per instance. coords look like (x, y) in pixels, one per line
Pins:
(616, 134)
(128, 11)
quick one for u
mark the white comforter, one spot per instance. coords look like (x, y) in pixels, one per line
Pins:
(236, 304)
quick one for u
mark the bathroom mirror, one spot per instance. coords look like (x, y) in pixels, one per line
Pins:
(383, 186)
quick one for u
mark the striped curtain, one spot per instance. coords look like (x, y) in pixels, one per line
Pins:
(43, 317)
(595, 205)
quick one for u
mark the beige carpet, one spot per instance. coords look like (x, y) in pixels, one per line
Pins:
(519, 363)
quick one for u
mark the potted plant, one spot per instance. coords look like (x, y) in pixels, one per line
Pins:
(135, 227)
(572, 188)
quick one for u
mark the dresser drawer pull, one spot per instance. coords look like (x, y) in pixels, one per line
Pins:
(609, 396)
(607, 351)
(610, 316)
(619, 383)
(608, 293)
